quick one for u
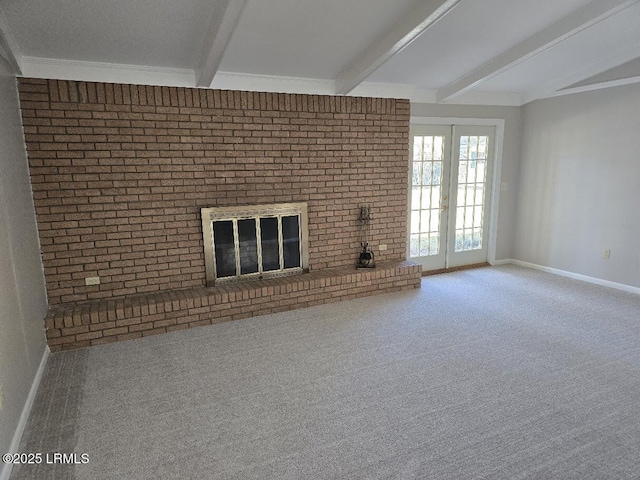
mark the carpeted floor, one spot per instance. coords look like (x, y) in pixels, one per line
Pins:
(495, 373)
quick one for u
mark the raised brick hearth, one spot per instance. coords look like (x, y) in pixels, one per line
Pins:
(96, 322)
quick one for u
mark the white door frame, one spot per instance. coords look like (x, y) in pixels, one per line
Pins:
(498, 123)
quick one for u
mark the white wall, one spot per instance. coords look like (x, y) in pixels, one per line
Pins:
(580, 184)
(22, 290)
(510, 160)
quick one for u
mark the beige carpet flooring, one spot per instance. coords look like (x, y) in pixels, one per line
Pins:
(495, 373)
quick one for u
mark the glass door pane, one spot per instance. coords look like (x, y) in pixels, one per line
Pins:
(428, 194)
(428, 155)
(247, 241)
(269, 244)
(471, 175)
(291, 241)
(225, 249)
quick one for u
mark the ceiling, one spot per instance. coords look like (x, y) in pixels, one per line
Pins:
(499, 52)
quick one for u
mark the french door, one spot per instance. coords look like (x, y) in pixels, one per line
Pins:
(449, 190)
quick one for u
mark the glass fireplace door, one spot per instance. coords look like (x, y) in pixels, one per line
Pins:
(255, 241)
(238, 251)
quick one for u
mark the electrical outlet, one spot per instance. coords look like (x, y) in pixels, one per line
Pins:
(607, 254)
(1, 397)
(504, 186)
(92, 281)
(382, 247)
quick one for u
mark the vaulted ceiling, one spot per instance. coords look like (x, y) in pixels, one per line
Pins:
(501, 52)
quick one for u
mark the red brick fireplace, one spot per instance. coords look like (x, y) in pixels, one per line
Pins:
(120, 173)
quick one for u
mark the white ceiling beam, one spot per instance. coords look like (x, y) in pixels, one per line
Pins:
(570, 25)
(600, 85)
(570, 83)
(226, 15)
(8, 48)
(628, 72)
(410, 27)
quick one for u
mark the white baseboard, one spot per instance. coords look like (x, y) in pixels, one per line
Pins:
(504, 261)
(24, 416)
(576, 276)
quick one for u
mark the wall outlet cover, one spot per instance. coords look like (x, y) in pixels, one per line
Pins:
(92, 281)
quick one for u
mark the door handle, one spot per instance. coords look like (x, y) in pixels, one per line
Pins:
(445, 197)
(445, 207)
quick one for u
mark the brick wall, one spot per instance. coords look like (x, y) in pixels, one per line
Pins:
(120, 172)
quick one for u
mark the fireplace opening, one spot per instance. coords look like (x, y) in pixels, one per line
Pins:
(255, 241)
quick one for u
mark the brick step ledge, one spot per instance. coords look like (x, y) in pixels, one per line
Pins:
(83, 324)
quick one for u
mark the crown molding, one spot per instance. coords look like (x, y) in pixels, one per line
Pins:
(176, 77)
(272, 83)
(281, 84)
(390, 90)
(499, 99)
(106, 72)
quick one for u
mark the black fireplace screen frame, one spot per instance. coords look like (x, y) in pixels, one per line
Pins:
(257, 241)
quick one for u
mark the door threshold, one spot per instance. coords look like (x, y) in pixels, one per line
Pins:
(454, 269)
